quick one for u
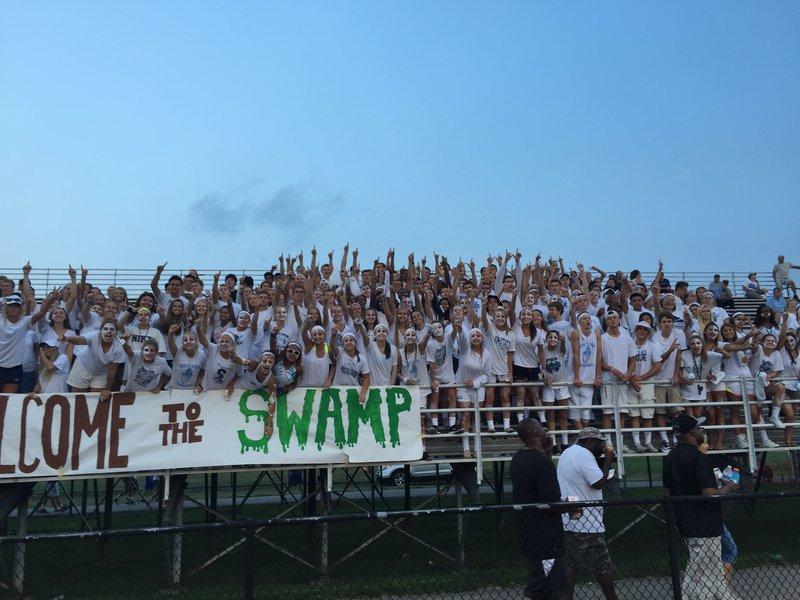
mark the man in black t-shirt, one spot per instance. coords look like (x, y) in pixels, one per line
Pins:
(689, 472)
(540, 533)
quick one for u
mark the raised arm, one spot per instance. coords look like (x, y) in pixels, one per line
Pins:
(154, 283)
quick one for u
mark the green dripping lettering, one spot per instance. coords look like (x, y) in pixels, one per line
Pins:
(395, 408)
(288, 422)
(247, 444)
(370, 411)
(326, 411)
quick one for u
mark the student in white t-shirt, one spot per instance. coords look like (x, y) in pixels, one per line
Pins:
(500, 343)
(617, 352)
(528, 354)
(13, 329)
(765, 365)
(147, 371)
(350, 367)
(557, 371)
(187, 361)
(642, 396)
(53, 369)
(697, 371)
(95, 368)
(585, 342)
(440, 361)
(219, 372)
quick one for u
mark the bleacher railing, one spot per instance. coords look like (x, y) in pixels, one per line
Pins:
(136, 281)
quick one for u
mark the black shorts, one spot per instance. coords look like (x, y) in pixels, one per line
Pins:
(522, 374)
(11, 375)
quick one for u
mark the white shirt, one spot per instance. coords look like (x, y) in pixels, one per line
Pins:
(661, 345)
(349, 369)
(219, 371)
(94, 360)
(185, 369)
(499, 343)
(55, 382)
(645, 357)
(142, 376)
(577, 470)
(616, 352)
(526, 350)
(315, 369)
(12, 340)
(441, 354)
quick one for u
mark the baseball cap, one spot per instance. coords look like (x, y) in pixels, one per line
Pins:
(14, 299)
(644, 324)
(590, 433)
(685, 422)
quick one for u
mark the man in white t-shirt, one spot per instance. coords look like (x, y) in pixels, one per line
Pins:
(581, 479)
(617, 352)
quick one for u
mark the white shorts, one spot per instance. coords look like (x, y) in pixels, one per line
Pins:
(471, 395)
(499, 377)
(735, 388)
(80, 378)
(580, 402)
(551, 394)
(424, 392)
(641, 401)
(615, 395)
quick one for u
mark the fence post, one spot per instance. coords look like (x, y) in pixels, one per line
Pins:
(618, 434)
(249, 549)
(478, 444)
(18, 576)
(748, 421)
(461, 557)
(669, 525)
(176, 548)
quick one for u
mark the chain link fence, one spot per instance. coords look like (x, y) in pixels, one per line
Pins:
(640, 548)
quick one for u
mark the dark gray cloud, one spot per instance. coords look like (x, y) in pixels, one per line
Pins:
(291, 208)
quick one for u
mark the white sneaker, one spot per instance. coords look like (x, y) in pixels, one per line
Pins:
(775, 420)
(651, 448)
(741, 441)
(640, 448)
(768, 443)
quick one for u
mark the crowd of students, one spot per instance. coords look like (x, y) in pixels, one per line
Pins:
(641, 350)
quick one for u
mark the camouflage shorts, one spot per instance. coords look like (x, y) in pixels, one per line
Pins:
(587, 553)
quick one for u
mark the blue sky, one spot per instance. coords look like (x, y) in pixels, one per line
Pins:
(225, 133)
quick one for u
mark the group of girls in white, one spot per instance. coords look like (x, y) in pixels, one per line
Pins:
(512, 337)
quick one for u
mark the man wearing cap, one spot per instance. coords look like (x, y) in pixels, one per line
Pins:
(580, 478)
(752, 288)
(641, 396)
(540, 535)
(689, 472)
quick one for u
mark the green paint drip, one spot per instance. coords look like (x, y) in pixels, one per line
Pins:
(326, 411)
(288, 422)
(370, 411)
(395, 408)
(247, 444)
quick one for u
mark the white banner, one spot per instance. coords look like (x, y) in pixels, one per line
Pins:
(78, 434)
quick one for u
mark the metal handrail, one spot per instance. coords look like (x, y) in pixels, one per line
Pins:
(136, 280)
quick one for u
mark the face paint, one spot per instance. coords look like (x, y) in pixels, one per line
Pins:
(437, 330)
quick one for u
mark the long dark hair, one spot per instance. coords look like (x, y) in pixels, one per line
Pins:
(768, 321)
